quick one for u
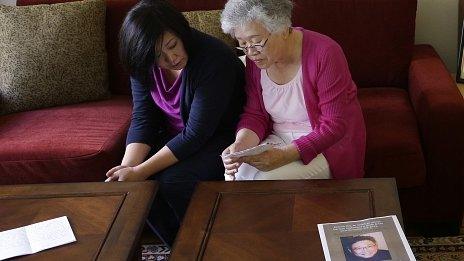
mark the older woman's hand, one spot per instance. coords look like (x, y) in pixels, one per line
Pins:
(232, 164)
(273, 158)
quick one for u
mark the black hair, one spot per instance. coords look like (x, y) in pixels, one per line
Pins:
(143, 28)
(362, 238)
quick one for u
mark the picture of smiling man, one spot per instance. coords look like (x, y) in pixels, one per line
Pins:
(364, 248)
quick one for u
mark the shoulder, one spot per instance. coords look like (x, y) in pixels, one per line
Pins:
(316, 39)
(139, 84)
(318, 45)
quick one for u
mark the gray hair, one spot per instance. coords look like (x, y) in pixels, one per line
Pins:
(275, 15)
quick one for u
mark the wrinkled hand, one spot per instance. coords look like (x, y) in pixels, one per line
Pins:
(268, 160)
(232, 164)
(123, 173)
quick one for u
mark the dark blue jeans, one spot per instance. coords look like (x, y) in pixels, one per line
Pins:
(176, 185)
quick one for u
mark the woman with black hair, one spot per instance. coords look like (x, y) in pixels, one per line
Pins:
(187, 90)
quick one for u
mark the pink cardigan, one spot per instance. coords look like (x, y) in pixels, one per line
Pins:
(334, 111)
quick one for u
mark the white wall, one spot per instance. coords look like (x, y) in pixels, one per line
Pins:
(437, 24)
(7, 2)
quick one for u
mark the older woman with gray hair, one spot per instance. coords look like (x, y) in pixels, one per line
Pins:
(300, 98)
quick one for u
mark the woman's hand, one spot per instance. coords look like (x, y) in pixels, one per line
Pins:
(244, 139)
(124, 173)
(232, 164)
(273, 158)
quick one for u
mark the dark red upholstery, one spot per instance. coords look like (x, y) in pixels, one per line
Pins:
(413, 111)
(393, 144)
(377, 36)
(63, 144)
(116, 11)
(75, 142)
(439, 110)
(378, 55)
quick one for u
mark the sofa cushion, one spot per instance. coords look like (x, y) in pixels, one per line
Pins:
(393, 142)
(116, 10)
(209, 22)
(52, 55)
(63, 144)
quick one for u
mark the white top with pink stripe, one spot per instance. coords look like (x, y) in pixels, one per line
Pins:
(285, 104)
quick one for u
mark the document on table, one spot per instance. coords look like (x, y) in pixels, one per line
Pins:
(35, 237)
(378, 238)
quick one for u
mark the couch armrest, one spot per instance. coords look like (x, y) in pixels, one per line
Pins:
(439, 109)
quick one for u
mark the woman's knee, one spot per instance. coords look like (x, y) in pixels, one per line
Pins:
(191, 171)
(318, 168)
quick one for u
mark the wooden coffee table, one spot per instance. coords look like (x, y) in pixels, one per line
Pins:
(107, 218)
(275, 220)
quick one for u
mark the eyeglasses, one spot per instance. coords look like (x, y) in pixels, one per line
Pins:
(254, 47)
(368, 247)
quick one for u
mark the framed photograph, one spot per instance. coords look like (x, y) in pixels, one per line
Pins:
(460, 68)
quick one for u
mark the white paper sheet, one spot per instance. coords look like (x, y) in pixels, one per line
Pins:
(250, 152)
(386, 234)
(36, 237)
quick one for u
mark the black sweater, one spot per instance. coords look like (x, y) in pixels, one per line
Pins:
(212, 98)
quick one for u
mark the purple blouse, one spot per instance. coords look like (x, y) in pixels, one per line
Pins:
(168, 100)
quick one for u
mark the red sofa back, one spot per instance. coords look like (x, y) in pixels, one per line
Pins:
(376, 36)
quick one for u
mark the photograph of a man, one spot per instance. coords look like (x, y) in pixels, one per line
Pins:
(365, 248)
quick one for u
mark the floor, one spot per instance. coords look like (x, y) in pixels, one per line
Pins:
(149, 238)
